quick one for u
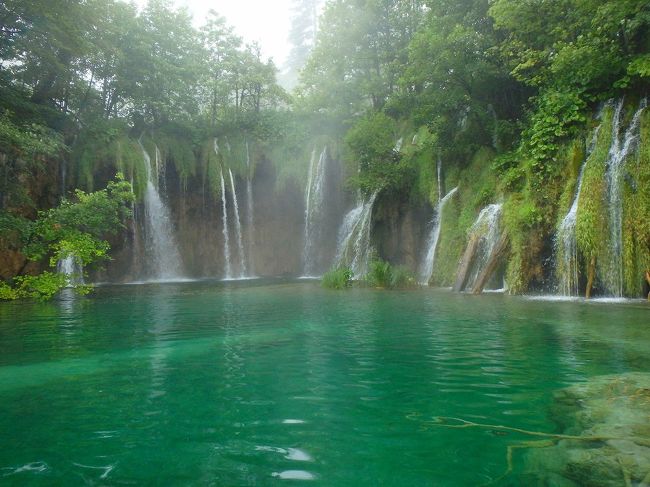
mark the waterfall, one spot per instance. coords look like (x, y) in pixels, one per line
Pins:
(566, 246)
(226, 233)
(164, 260)
(398, 145)
(353, 247)
(240, 247)
(426, 268)
(314, 199)
(618, 152)
(250, 216)
(487, 229)
(71, 268)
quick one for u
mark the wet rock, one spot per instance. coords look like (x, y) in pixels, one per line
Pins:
(614, 411)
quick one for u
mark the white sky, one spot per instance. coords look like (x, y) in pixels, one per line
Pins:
(264, 21)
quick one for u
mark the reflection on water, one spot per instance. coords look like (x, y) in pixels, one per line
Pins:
(250, 383)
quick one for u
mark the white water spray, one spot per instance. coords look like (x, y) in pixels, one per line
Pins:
(163, 257)
(240, 247)
(618, 153)
(314, 211)
(566, 245)
(426, 267)
(353, 247)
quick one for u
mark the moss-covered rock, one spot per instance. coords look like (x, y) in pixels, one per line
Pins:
(611, 414)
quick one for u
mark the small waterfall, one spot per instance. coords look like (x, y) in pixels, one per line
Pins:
(618, 152)
(566, 246)
(71, 268)
(314, 199)
(164, 260)
(487, 229)
(226, 232)
(399, 144)
(250, 215)
(426, 268)
(240, 247)
(160, 171)
(353, 247)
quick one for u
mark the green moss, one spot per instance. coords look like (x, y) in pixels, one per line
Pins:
(521, 220)
(573, 155)
(476, 189)
(591, 223)
(636, 211)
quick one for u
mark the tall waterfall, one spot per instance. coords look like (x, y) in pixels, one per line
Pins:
(250, 215)
(566, 246)
(487, 229)
(240, 247)
(618, 152)
(426, 267)
(71, 268)
(353, 247)
(314, 211)
(226, 232)
(163, 257)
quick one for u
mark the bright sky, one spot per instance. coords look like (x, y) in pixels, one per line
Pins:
(264, 21)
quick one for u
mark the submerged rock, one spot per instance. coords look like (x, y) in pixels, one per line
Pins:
(612, 413)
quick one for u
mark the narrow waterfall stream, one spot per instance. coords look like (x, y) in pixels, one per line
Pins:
(243, 272)
(71, 268)
(618, 153)
(250, 215)
(488, 230)
(426, 267)
(566, 245)
(162, 257)
(226, 231)
(353, 247)
(314, 212)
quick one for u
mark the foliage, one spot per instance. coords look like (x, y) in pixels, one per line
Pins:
(382, 274)
(71, 229)
(340, 278)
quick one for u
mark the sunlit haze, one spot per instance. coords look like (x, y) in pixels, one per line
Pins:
(264, 21)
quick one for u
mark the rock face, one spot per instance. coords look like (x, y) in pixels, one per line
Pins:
(276, 242)
(400, 232)
(614, 408)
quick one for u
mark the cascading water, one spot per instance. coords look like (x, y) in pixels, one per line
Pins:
(314, 214)
(71, 268)
(226, 232)
(163, 258)
(566, 246)
(250, 215)
(398, 145)
(426, 267)
(487, 229)
(618, 153)
(240, 247)
(353, 247)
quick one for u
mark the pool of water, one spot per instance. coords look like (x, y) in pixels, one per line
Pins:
(269, 383)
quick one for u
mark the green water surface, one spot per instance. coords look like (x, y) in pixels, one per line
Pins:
(286, 383)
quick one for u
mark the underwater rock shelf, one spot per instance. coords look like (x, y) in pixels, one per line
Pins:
(613, 407)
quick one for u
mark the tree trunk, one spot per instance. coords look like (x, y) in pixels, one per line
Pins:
(591, 275)
(492, 264)
(465, 264)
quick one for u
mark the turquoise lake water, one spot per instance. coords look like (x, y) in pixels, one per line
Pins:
(284, 383)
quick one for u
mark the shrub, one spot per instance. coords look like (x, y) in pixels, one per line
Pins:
(340, 278)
